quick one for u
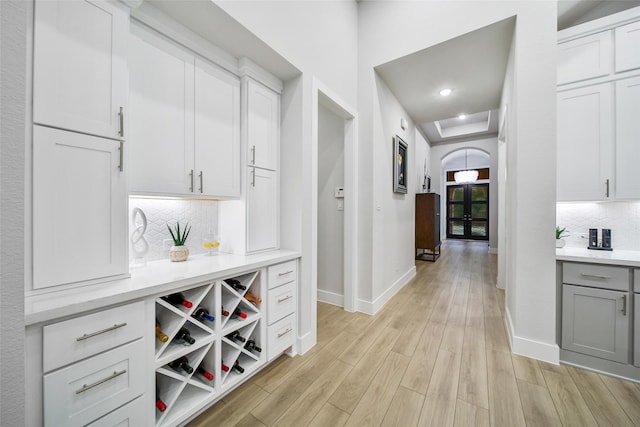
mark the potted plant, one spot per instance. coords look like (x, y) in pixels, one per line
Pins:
(179, 252)
(560, 233)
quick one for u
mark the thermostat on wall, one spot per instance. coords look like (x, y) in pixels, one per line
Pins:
(338, 193)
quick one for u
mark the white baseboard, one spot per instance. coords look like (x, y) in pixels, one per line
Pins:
(493, 250)
(305, 343)
(530, 348)
(331, 298)
(373, 307)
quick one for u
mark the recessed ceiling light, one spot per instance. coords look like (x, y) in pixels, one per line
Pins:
(446, 92)
(462, 116)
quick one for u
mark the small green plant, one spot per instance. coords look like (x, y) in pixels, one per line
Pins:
(560, 232)
(178, 237)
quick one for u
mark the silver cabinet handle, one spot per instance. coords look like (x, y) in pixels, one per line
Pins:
(285, 273)
(597, 276)
(624, 305)
(285, 298)
(102, 381)
(253, 155)
(253, 177)
(607, 184)
(284, 333)
(121, 117)
(201, 181)
(191, 178)
(104, 331)
(121, 165)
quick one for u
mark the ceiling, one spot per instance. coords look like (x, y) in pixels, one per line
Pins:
(474, 66)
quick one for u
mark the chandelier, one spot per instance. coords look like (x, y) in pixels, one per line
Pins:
(466, 176)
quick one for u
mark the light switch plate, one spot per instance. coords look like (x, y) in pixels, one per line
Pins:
(338, 193)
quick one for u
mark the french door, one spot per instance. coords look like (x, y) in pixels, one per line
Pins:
(468, 211)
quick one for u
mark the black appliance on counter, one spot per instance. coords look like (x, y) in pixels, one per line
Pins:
(605, 242)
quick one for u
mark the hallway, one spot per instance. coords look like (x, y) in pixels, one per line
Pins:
(436, 354)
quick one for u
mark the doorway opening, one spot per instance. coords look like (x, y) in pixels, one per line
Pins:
(468, 211)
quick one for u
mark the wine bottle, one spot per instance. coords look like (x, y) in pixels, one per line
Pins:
(237, 313)
(252, 298)
(181, 363)
(208, 375)
(236, 366)
(235, 336)
(202, 314)
(162, 337)
(251, 346)
(235, 284)
(225, 313)
(178, 299)
(225, 367)
(184, 335)
(159, 402)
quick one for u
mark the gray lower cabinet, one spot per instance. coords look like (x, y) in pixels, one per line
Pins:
(636, 324)
(596, 322)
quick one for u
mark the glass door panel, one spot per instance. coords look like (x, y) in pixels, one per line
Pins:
(468, 211)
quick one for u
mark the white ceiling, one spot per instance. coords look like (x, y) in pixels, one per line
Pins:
(473, 65)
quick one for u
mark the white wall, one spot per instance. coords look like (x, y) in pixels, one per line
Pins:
(330, 218)
(439, 154)
(13, 73)
(423, 157)
(388, 30)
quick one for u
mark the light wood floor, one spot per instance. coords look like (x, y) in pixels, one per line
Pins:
(437, 355)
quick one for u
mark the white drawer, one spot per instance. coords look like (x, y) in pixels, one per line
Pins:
(281, 336)
(133, 414)
(75, 339)
(596, 276)
(87, 390)
(282, 273)
(281, 302)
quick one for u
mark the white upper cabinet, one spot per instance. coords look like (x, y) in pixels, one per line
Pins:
(185, 122)
(262, 210)
(80, 69)
(79, 208)
(627, 47)
(585, 144)
(263, 126)
(217, 131)
(584, 58)
(160, 151)
(627, 138)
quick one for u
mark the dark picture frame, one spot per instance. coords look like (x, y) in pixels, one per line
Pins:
(400, 159)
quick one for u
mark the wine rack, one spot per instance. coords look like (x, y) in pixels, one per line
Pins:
(215, 341)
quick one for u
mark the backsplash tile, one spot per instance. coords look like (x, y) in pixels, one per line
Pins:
(202, 216)
(623, 218)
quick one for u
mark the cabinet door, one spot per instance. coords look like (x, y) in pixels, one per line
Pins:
(263, 126)
(585, 144)
(584, 58)
(217, 131)
(627, 133)
(627, 47)
(80, 69)
(262, 210)
(636, 329)
(161, 99)
(596, 322)
(79, 208)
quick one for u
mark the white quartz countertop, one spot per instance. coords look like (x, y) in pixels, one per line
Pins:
(157, 277)
(614, 257)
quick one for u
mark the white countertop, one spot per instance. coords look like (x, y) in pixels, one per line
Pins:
(157, 277)
(614, 257)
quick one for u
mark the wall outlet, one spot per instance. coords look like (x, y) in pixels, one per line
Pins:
(167, 243)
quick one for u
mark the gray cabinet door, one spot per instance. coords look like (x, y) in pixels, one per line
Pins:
(636, 324)
(596, 322)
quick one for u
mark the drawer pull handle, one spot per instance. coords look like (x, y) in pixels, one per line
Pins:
(285, 273)
(597, 276)
(284, 333)
(112, 328)
(102, 381)
(285, 298)
(624, 305)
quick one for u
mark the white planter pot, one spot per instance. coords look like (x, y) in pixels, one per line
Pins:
(560, 243)
(178, 253)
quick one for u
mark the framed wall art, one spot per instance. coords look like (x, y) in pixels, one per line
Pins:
(400, 159)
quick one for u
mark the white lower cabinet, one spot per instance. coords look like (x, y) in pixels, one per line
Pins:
(82, 392)
(130, 415)
(281, 336)
(79, 208)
